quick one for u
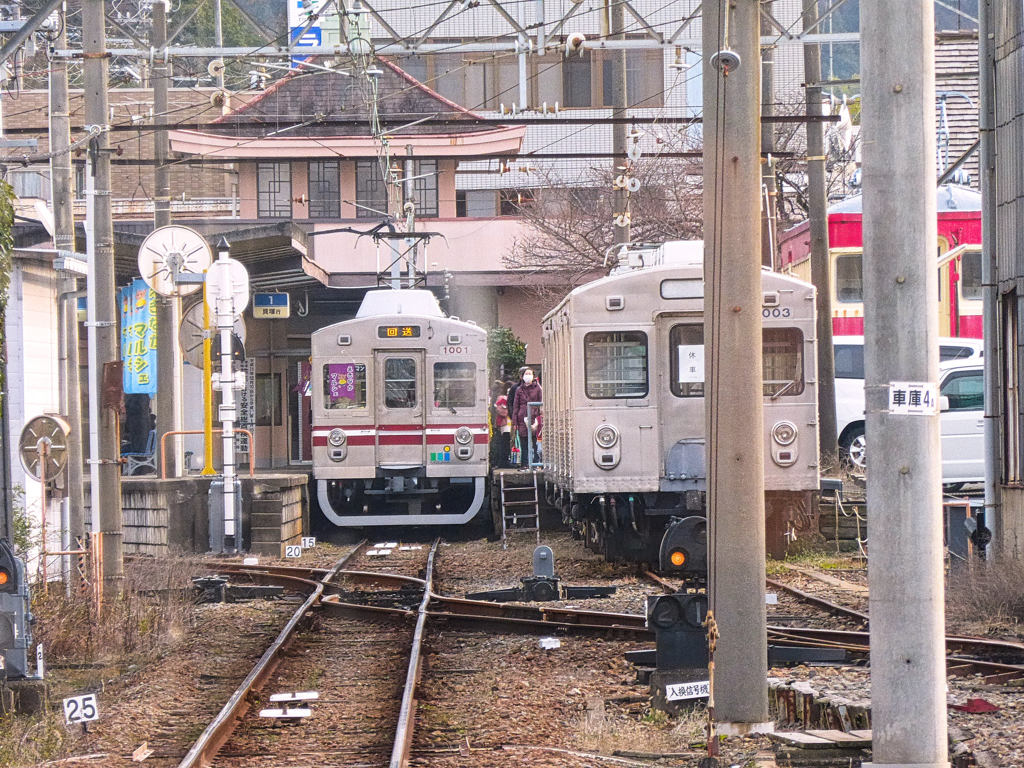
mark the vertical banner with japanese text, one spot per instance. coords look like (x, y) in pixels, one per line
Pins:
(138, 338)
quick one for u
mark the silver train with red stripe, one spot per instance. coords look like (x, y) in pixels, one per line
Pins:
(400, 403)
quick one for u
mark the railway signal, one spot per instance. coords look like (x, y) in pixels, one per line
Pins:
(15, 617)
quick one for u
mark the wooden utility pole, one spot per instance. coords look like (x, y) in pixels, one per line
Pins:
(168, 409)
(904, 486)
(106, 493)
(62, 188)
(821, 271)
(732, 306)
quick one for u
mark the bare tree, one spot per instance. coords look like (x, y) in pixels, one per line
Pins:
(570, 228)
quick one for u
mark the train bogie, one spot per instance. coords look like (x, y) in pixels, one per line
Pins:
(400, 414)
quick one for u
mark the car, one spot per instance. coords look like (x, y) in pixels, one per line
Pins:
(962, 419)
(849, 389)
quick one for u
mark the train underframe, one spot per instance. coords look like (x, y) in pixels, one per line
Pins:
(630, 526)
(401, 497)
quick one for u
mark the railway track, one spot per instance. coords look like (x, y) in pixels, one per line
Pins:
(366, 646)
(966, 656)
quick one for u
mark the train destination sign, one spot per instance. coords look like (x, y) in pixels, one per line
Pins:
(271, 306)
(398, 331)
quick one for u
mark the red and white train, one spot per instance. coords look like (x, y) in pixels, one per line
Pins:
(400, 404)
(958, 261)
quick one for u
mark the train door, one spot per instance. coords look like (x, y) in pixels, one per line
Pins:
(400, 408)
(681, 396)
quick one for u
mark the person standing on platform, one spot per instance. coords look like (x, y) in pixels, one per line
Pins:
(502, 425)
(528, 392)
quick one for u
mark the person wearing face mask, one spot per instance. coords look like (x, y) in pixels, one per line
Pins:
(528, 392)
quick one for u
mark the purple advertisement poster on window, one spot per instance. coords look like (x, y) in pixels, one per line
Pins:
(341, 381)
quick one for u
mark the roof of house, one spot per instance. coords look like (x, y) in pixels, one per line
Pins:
(315, 113)
(314, 102)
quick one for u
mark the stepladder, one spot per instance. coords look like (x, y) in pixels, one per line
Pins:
(520, 503)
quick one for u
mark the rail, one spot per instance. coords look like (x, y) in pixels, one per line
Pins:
(219, 730)
(406, 714)
(163, 447)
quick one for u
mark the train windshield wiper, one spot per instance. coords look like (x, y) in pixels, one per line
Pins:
(783, 389)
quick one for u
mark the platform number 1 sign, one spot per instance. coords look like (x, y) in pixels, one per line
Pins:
(292, 550)
(81, 709)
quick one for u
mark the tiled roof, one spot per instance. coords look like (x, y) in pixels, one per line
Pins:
(316, 103)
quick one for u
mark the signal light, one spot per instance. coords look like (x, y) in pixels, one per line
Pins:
(678, 558)
(4, 577)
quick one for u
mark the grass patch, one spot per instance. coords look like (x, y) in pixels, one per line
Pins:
(992, 592)
(651, 731)
(150, 618)
(29, 740)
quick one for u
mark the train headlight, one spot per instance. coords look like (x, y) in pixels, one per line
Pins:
(463, 436)
(784, 432)
(606, 436)
(337, 437)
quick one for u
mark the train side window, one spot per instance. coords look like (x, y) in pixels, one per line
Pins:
(849, 361)
(850, 278)
(687, 360)
(344, 385)
(454, 385)
(615, 364)
(966, 391)
(783, 361)
(970, 275)
(399, 382)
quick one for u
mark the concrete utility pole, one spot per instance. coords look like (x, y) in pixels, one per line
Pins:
(821, 272)
(108, 493)
(62, 188)
(168, 408)
(769, 191)
(908, 670)
(620, 99)
(732, 306)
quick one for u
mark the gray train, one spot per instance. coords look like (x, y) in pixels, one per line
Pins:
(624, 431)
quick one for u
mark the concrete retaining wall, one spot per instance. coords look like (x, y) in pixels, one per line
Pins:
(161, 516)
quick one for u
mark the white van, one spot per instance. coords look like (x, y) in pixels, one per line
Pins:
(849, 384)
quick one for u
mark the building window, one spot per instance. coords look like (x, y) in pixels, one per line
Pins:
(324, 189)
(475, 203)
(274, 190)
(268, 399)
(576, 81)
(512, 201)
(615, 364)
(425, 187)
(371, 195)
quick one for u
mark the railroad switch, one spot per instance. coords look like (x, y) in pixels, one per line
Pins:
(544, 586)
(217, 589)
